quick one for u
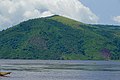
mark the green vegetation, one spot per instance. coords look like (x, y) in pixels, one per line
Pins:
(60, 38)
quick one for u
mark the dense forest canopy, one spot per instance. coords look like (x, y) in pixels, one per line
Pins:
(59, 38)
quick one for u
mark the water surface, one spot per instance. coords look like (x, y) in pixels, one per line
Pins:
(60, 70)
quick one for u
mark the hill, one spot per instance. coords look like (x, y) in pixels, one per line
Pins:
(57, 38)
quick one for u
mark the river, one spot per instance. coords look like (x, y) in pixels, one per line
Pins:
(60, 70)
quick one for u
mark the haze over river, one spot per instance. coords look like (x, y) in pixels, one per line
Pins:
(60, 70)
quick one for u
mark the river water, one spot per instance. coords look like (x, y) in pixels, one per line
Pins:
(60, 70)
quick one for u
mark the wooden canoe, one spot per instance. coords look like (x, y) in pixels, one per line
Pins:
(4, 73)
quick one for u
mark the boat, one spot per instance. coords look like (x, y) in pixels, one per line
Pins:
(4, 73)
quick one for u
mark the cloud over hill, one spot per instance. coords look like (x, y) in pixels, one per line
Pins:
(14, 11)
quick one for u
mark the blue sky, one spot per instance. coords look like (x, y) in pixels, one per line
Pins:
(104, 9)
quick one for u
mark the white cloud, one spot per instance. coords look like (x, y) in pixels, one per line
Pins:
(14, 11)
(31, 14)
(116, 19)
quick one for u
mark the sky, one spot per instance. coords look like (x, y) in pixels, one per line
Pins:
(108, 11)
(13, 12)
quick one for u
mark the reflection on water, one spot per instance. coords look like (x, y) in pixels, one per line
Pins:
(60, 70)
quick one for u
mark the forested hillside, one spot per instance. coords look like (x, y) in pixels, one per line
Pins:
(57, 38)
